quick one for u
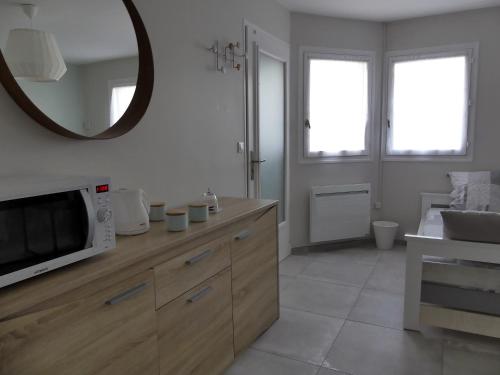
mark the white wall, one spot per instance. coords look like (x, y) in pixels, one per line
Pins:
(314, 31)
(187, 139)
(63, 101)
(403, 182)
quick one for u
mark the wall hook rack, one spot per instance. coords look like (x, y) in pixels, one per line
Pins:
(228, 56)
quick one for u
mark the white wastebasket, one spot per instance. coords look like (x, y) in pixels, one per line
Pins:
(385, 233)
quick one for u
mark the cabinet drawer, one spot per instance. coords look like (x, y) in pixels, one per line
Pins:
(109, 332)
(184, 272)
(254, 251)
(196, 330)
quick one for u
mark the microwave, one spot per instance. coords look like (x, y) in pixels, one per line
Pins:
(50, 222)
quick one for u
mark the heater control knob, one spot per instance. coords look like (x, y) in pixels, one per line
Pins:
(104, 215)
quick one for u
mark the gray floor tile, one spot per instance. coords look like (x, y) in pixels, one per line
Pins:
(367, 255)
(325, 283)
(254, 362)
(463, 341)
(363, 349)
(380, 308)
(294, 265)
(319, 297)
(285, 281)
(394, 256)
(388, 276)
(300, 335)
(342, 272)
(460, 362)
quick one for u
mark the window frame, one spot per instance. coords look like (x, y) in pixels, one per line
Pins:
(112, 84)
(470, 50)
(305, 55)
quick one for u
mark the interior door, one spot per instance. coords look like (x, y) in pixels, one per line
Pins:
(267, 75)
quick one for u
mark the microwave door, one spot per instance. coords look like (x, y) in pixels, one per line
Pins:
(91, 214)
(38, 229)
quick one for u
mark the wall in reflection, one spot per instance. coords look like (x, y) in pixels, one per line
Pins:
(81, 100)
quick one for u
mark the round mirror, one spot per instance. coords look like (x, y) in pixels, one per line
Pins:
(83, 69)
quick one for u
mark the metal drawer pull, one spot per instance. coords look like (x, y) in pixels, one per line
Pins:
(127, 295)
(202, 293)
(244, 234)
(198, 258)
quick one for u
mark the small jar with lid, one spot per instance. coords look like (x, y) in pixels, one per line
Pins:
(198, 212)
(177, 220)
(157, 211)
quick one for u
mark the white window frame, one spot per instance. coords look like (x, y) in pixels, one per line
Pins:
(471, 50)
(307, 53)
(114, 83)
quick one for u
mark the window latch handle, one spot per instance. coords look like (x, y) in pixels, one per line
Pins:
(307, 124)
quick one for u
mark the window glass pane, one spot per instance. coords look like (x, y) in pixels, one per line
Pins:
(272, 91)
(429, 106)
(120, 100)
(338, 106)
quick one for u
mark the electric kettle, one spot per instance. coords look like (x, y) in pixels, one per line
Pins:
(131, 211)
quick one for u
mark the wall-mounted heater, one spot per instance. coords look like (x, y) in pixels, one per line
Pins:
(340, 212)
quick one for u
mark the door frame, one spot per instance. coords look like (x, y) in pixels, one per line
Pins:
(258, 41)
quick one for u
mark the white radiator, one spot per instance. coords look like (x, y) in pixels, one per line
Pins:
(340, 212)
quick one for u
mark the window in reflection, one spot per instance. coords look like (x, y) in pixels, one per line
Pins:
(121, 97)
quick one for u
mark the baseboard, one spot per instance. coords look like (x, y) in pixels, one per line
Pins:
(338, 245)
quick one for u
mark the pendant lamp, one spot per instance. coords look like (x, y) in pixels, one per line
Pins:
(34, 55)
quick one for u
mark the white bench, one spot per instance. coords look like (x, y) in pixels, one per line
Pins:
(430, 242)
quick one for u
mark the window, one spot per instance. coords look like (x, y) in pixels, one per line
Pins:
(122, 92)
(430, 102)
(337, 105)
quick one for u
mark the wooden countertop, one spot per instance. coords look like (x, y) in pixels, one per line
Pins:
(130, 252)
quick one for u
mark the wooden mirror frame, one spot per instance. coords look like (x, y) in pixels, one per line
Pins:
(136, 109)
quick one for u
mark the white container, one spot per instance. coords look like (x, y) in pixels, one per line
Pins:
(177, 221)
(198, 212)
(130, 211)
(212, 201)
(385, 234)
(157, 211)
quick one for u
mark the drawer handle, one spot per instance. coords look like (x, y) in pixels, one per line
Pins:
(243, 235)
(127, 295)
(198, 258)
(198, 296)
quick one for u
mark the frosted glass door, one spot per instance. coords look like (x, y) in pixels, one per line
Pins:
(271, 130)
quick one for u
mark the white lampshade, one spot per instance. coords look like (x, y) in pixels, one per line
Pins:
(33, 55)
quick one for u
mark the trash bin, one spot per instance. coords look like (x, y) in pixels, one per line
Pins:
(385, 233)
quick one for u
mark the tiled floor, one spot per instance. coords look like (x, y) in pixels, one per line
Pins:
(342, 314)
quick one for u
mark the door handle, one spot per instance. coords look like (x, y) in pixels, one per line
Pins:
(243, 235)
(198, 258)
(258, 161)
(198, 296)
(131, 293)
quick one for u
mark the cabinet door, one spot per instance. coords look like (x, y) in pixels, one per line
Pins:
(254, 252)
(196, 330)
(109, 332)
(178, 275)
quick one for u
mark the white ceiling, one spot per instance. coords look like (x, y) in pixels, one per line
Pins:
(86, 30)
(384, 10)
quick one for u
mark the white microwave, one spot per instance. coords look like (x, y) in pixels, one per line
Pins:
(50, 222)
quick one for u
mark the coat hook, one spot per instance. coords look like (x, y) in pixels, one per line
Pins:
(229, 56)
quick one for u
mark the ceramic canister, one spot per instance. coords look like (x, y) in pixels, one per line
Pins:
(198, 212)
(157, 211)
(177, 220)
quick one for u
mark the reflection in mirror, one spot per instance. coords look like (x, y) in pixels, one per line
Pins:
(76, 60)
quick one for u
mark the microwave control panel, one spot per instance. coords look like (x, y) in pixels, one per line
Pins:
(105, 229)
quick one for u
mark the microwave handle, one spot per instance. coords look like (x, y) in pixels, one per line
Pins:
(90, 216)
